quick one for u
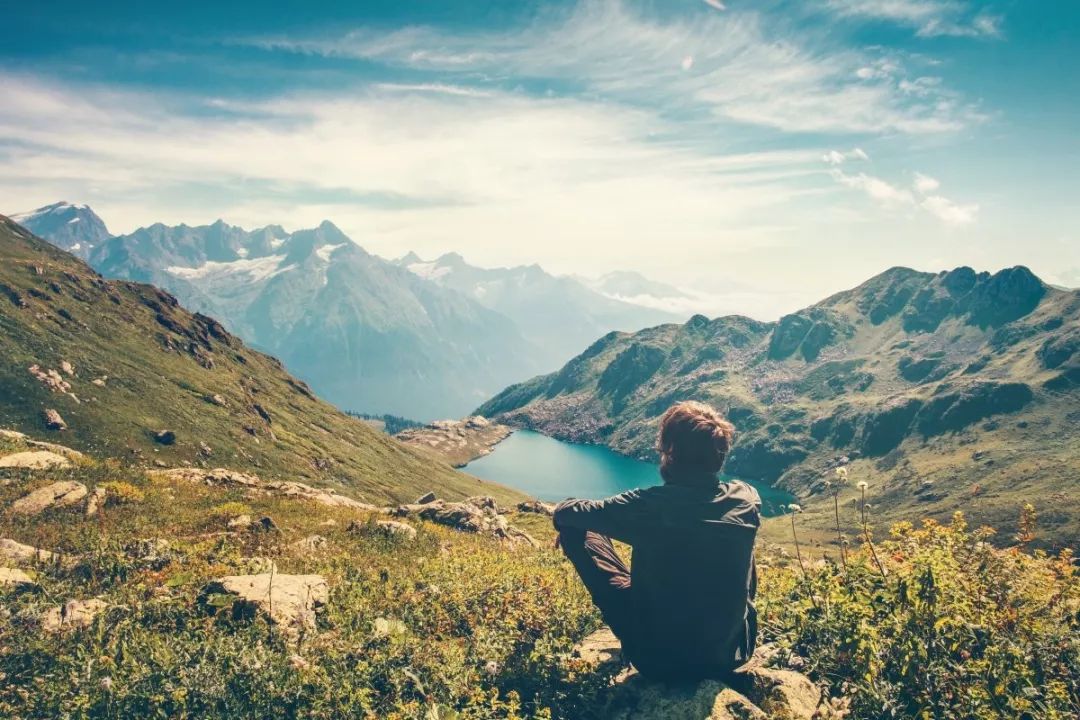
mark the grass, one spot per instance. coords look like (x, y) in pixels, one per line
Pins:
(458, 626)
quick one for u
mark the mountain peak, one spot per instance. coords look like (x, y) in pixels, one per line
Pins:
(74, 228)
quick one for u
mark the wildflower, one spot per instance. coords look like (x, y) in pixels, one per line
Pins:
(491, 667)
(828, 484)
(862, 485)
(841, 473)
(106, 683)
(795, 508)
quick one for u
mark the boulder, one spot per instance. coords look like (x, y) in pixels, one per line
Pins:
(283, 488)
(16, 579)
(426, 498)
(12, 551)
(753, 692)
(73, 614)
(289, 601)
(467, 517)
(94, 501)
(310, 544)
(396, 529)
(57, 494)
(35, 460)
(53, 421)
(535, 506)
(165, 437)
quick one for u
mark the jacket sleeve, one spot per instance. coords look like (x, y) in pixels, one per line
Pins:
(621, 517)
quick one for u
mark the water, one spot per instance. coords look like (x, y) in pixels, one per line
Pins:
(553, 470)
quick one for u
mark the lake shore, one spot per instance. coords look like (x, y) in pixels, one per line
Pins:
(458, 442)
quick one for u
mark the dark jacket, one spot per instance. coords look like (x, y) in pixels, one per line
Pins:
(692, 574)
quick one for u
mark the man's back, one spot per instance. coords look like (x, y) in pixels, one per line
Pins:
(689, 609)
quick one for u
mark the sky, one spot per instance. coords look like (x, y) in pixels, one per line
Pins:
(764, 153)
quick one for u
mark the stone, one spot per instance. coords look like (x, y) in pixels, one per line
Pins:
(289, 601)
(428, 497)
(165, 437)
(35, 460)
(100, 382)
(536, 506)
(216, 400)
(57, 494)
(73, 614)
(17, 579)
(467, 517)
(53, 421)
(240, 522)
(396, 529)
(12, 551)
(310, 544)
(94, 501)
(221, 477)
(68, 368)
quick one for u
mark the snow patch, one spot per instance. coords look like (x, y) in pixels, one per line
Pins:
(326, 251)
(77, 246)
(255, 270)
(74, 220)
(428, 270)
(242, 252)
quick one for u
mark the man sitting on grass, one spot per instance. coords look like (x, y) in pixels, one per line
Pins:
(684, 610)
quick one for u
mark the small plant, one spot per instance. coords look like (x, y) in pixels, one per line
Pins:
(118, 492)
(1025, 527)
(835, 485)
(864, 508)
(795, 509)
(231, 509)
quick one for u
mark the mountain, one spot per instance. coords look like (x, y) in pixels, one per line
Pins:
(558, 315)
(74, 228)
(950, 390)
(627, 284)
(120, 362)
(367, 334)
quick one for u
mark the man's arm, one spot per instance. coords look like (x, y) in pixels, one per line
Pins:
(620, 517)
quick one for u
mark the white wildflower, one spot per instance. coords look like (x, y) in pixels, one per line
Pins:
(106, 683)
(795, 508)
(862, 485)
(841, 473)
(491, 667)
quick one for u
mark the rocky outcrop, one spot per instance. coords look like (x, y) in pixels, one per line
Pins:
(536, 506)
(16, 552)
(396, 529)
(16, 579)
(72, 615)
(220, 477)
(480, 515)
(35, 460)
(755, 692)
(459, 442)
(52, 420)
(289, 601)
(953, 409)
(54, 495)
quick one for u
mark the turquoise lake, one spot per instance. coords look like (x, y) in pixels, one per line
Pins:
(553, 470)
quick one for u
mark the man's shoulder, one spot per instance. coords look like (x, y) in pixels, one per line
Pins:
(742, 490)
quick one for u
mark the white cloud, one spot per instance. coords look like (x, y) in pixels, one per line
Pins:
(837, 157)
(893, 196)
(925, 184)
(716, 4)
(747, 68)
(929, 18)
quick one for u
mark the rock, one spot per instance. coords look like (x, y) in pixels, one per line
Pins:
(216, 400)
(53, 421)
(484, 502)
(151, 553)
(219, 477)
(68, 368)
(240, 522)
(17, 579)
(783, 693)
(73, 614)
(94, 501)
(35, 460)
(395, 529)
(165, 437)
(535, 506)
(100, 382)
(468, 517)
(264, 524)
(426, 498)
(57, 494)
(289, 601)
(457, 441)
(12, 551)
(600, 648)
(282, 488)
(205, 450)
(310, 544)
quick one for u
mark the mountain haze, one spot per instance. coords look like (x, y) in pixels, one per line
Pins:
(951, 390)
(557, 314)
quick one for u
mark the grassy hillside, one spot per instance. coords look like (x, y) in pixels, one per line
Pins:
(947, 391)
(453, 625)
(142, 364)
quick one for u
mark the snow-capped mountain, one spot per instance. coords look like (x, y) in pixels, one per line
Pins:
(366, 334)
(560, 315)
(74, 228)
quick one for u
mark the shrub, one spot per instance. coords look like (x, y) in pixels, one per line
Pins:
(118, 492)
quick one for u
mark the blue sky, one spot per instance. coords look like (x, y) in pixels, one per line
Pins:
(766, 152)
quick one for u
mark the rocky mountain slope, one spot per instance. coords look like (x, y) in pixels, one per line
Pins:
(122, 369)
(559, 315)
(950, 390)
(367, 335)
(74, 228)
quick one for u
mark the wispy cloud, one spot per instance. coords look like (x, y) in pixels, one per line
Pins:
(929, 18)
(743, 67)
(922, 194)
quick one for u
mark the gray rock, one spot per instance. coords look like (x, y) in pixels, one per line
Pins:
(73, 614)
(53, 421)
(396, 529)
(57, 494)
(428, 497)
(17, 579)
(165, 437)
(12, 551)
(35, 460)
(289, 601)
